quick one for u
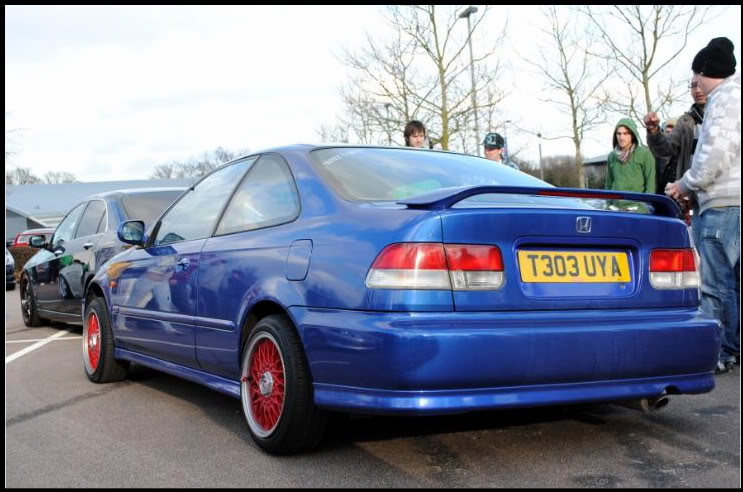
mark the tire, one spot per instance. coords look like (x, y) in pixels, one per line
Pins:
(98, 345)
(276, 390)
(28, 304)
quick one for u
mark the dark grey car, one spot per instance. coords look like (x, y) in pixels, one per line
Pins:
(54, 280)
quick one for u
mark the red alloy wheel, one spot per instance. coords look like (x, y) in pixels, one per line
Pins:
(93, 341)
(266, 384)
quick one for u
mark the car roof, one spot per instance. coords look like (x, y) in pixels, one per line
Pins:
(133, 191)
(309, 147)
(40, 229)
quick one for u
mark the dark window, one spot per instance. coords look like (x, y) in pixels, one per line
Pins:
(195, 214)
(91, 218)
(67, 227)
(103, 224)
(267, 197)
(148, 206)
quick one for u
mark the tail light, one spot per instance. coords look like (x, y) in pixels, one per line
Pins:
(673, 269)
(474, 266)
(437, 266)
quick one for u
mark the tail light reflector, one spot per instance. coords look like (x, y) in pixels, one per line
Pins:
(673, 269)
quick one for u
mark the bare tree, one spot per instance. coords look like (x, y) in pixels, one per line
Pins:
(575, 78)
(195, 167)
(332, 134)
(164, 171)
(55, 177)
(10, 136)
(654, 37)
(21, 176)
(421, 73)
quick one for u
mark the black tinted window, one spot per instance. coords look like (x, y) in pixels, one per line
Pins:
(266, 197)
(67, 227)
(91, 218)
(195, 214)
(148, 206)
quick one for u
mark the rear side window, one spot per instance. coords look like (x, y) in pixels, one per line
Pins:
(195, 214)
(148, 206)
(266, 197)
(95, 210)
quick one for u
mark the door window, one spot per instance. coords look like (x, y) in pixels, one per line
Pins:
(66, 228)
(266, 197)
(195, 214)
(95, 210)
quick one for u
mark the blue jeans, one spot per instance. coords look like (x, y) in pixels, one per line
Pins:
(717, 239)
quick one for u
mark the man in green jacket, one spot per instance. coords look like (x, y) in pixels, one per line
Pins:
(631, 165)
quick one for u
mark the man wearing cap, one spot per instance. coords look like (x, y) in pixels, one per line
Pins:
(714, 177)
(494, 144)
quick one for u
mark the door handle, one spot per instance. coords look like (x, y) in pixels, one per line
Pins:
(88, 245)
(182, 264)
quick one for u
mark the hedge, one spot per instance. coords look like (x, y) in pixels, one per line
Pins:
(21, 254)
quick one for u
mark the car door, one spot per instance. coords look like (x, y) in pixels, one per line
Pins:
(52, 287)
(154, 302)
(75, 262)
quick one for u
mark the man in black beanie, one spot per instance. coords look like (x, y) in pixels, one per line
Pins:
(714, 178)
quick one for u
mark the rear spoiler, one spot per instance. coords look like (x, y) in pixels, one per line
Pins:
(446, 197)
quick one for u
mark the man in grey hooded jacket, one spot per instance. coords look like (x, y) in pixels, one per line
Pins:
(714, 177)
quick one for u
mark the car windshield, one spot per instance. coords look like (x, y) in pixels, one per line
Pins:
(393, 174)
(148, 206)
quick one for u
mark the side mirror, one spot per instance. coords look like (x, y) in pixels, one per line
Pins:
(37, 241)
(131, 232)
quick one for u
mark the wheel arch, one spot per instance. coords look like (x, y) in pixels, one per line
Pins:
(257, 312)
(92, 289)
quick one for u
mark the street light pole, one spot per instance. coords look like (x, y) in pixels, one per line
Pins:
(389, 134)
(467, 13)
(541, 169)
(505, 138)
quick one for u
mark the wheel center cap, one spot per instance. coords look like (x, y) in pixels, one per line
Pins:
(93, 341)
(266, 383)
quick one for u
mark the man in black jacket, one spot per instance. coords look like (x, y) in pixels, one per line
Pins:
(677, 148)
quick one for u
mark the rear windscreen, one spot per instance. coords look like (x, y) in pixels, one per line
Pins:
(393, 174)
(148, 206)
(373, 174)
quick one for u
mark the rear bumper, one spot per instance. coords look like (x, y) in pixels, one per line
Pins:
(435, 363)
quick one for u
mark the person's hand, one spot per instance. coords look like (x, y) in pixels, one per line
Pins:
(674, 191)
(651, 122)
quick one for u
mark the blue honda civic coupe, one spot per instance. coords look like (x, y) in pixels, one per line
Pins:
(370, 280)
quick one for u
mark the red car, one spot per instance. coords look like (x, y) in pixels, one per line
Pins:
(22, 238)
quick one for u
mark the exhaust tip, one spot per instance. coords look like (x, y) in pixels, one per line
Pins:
(645, 405)
(659, 403)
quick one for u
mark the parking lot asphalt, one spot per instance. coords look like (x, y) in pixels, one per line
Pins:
(154, 430)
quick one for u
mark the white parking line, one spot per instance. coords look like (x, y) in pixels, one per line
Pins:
(36, 345)
(40, 340)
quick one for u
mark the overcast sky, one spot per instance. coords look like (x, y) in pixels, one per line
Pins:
(107, 93)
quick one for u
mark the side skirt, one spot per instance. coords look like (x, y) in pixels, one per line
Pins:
(217, 383)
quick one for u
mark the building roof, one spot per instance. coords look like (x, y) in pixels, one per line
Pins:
(597, 161)
(48, 203)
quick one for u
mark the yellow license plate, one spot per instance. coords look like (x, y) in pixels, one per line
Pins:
(573, 266)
